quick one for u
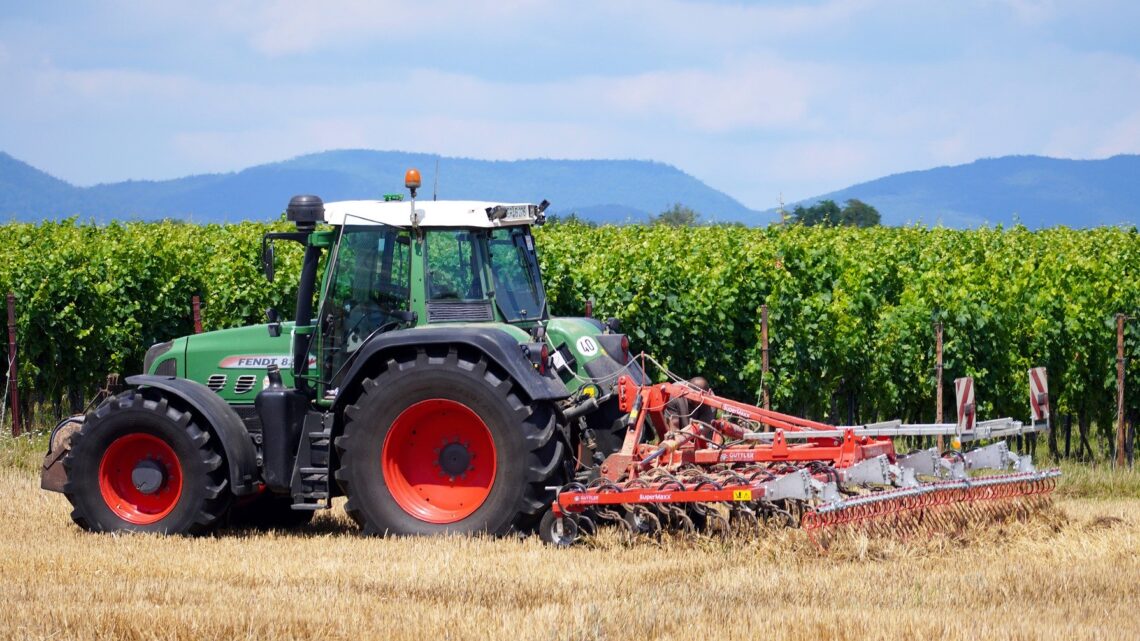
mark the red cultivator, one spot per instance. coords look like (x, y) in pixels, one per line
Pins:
(692, 460)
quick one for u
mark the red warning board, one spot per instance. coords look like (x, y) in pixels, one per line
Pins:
(1038, 395)
(964, 391)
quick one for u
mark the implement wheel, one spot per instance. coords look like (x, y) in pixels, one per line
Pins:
(140, 464)
(443, 443)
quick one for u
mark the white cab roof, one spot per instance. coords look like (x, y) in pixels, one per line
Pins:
(433, 213)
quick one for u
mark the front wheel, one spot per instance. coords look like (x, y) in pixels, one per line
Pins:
(141, 464)
(442, 442)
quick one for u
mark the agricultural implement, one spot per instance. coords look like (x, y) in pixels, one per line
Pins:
(746, 467)
(423, 378)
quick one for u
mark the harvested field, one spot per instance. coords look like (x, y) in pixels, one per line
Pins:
(1069, 574)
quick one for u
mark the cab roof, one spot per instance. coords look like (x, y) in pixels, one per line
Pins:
(431, 213)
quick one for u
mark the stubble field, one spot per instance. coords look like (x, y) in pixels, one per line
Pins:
(1069, 574)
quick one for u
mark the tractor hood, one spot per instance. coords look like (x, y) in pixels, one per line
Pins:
(586, 352)
(231, 362)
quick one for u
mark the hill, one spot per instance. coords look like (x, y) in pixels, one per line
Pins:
(1033, 190)
(601, 190)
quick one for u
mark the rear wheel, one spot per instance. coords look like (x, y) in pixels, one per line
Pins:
(442, 442)
(140, 464)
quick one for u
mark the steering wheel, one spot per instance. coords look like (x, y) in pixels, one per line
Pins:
(364, 320)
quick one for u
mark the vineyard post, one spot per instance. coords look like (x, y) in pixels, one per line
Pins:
(1120, 318)
(589, 308)
(764, 354)
(13, 388)
(938, 377)
(196, 306)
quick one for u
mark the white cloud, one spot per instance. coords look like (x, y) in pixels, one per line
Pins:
(282, 27)
(750, 98)
(755, 94)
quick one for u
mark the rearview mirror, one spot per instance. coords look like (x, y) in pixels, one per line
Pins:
(267, 259)
(274, 324)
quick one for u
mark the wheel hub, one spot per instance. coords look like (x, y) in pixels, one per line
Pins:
(148, 476)
(454, 459)
(140, 478)
(438, 461)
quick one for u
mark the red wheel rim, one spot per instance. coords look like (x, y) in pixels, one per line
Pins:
(117, 485)
(439, 461)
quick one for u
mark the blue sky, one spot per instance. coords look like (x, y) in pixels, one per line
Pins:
(757, 99)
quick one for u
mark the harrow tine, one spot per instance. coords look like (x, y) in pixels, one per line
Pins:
(716, 520)
(744, 521)
(642, 521)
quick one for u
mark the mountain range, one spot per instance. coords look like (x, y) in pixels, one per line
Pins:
(1032, 190)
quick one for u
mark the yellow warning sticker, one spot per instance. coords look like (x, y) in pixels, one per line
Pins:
(742, 495)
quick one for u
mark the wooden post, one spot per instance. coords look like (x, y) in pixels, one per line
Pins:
(938, 378)
(13, 388)
(196, 305)
(764, 355)
(589, 308)
(1120, 390)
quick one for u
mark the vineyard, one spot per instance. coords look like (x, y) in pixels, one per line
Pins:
(851, 310)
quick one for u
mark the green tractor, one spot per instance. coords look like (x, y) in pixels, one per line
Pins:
(430, 387)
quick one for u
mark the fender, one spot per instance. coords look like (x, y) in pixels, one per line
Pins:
(222, 422)
(499, 346)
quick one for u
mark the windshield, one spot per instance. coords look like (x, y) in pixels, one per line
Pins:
(518, 287)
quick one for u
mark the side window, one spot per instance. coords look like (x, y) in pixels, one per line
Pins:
(392, 273)
(453, 266)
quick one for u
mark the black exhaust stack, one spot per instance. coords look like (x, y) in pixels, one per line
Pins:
(305, 211)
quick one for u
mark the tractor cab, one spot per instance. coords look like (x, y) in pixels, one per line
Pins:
(395, 265)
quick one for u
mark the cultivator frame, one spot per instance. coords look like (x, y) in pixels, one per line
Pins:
(753, 465)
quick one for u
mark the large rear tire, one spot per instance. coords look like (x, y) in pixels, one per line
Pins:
(444, 442)
(140, 464)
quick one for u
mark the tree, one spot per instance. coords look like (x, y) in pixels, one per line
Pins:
(676, 216)
(855, 213)
(860, 214)
(825, 212)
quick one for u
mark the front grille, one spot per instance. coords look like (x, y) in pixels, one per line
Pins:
(459, 310)
(244, 383)
(216, 382)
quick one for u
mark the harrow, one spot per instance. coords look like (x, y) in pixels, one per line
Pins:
(694, 461)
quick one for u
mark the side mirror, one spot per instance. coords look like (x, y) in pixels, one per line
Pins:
(404, 316)
(268, 264)
(274, 324)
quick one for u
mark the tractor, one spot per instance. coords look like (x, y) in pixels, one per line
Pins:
(422, 377)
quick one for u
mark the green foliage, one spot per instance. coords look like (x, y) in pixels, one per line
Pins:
(91, 299)
(855, 213)
(851, 309)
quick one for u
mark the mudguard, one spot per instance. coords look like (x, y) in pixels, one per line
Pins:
(499, 346)
(222, 422)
